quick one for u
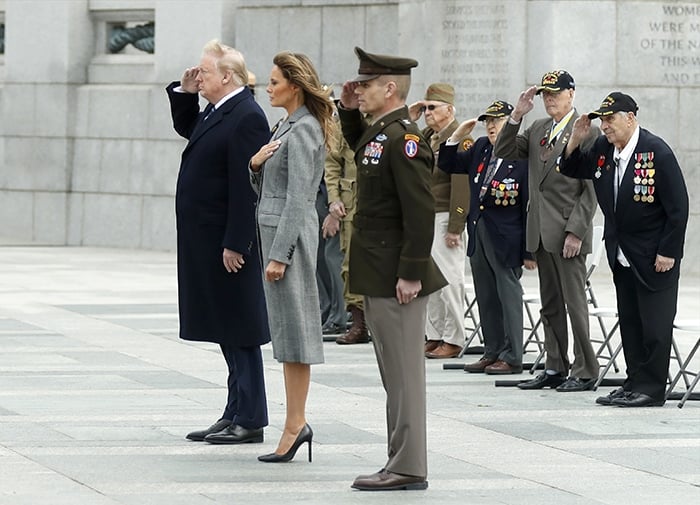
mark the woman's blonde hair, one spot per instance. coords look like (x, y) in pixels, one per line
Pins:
(298, 70)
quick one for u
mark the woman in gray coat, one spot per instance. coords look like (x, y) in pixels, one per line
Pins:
(286, 174)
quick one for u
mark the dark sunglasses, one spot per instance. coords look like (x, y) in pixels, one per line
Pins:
(432, 107)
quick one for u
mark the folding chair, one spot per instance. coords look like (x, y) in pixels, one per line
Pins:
(471, 322)
(684, 365)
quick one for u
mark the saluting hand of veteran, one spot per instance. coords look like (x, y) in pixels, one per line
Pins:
(415, 110)
(348, 98)
(663, 263)
(464, 129)
(189, 80)
(526, 102)
(264, 154)
(233, 261)
(572, 246)
(581, 128)
(407, 291)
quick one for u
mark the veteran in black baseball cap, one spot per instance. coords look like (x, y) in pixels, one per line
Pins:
(374, 65)
(615, 102)
(556, 81)
(498, 108)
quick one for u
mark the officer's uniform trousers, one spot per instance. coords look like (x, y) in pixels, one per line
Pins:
(397, 336)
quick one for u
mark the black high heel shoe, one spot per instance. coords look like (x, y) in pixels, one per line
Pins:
(305, 435)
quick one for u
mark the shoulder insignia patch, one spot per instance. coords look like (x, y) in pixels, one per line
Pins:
(410, 147)
(467, 144)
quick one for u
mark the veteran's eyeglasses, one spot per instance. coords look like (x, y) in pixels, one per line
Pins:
(432, 107)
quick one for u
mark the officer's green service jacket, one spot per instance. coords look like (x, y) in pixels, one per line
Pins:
(393, 223)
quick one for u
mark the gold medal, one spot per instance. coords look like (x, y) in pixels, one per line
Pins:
(636, 198)
(645, 180)
(497, 201)
(637, 180)
(650, 164)
(637, 165)
(650, 199)
(644, 198)
(504, 202)
(512, 201)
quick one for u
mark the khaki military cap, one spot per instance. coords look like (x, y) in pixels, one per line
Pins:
(440, 92)
(374, 65)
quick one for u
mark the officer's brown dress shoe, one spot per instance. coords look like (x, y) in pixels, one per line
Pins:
(633, 399)
(235, 434)
(543, 380)
(198, 436)
(501, 367)
(385, 480)
(443, 351)
(478, 367)
(431, 345)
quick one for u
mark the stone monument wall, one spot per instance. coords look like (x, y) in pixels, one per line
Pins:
(87, 151)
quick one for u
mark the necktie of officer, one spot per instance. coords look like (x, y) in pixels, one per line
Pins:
(488, 177)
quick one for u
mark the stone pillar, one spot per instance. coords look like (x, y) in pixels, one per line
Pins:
(47, 47)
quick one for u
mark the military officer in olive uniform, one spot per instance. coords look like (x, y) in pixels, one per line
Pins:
(390, 261)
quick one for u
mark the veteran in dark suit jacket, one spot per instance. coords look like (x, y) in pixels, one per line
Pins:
(220, 290)
(496, 246)
(559, 231)
(390, 261)
(642, 193)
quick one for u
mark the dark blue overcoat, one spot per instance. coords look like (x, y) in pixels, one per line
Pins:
(215, 207)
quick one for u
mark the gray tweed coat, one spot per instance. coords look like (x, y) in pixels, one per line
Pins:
(288, 233)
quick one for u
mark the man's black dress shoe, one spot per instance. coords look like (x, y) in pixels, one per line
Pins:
(235, 434)
(576, 384)
(385, 480)
(198, 436)
(543, 380)
(607, 400)
(633, 399)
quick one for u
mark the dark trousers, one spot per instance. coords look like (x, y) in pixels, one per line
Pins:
(646, 327)
(246, 404)
(499, 297)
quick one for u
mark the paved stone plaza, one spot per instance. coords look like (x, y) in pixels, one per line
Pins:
(97, 393)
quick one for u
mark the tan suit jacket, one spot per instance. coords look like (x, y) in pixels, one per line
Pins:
(558, 204)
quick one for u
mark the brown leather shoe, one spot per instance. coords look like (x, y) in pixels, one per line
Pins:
(443, 351)
(357, 334)
(389, 481)
(478, 367)
(501, 367)
(431, 345)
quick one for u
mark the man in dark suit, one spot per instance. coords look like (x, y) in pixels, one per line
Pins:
(642, 193)
(496, 247)
(220, 289)
(559, 230)
(390, 261)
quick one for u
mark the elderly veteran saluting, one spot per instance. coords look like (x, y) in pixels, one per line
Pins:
(641, 191)
(559, 230)
(496, 248)
(390, 261)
